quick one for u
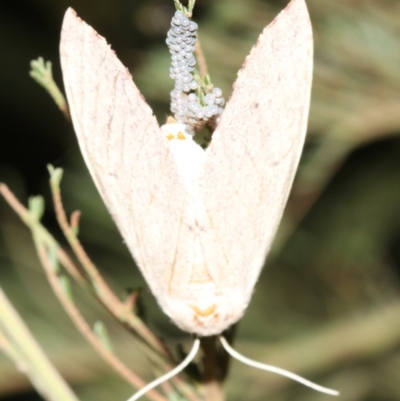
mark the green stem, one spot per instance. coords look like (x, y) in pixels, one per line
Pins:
(28, 357)
(41, 72)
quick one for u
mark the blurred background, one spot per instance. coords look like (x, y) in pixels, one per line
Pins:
(327, 304)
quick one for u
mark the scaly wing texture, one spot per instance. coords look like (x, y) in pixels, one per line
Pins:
(128, 156)
(254, 152)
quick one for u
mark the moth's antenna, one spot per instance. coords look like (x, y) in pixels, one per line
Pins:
(274, 369)
(172, 373)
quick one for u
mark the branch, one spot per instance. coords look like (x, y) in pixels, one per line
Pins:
(31, 219)
(82, 325)
(103, 291)
(27, 218)
(20, 346)
(41, 72)
(122, 311)
(201, 60)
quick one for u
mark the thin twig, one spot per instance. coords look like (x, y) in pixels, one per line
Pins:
(26, 217)
(83, 326)
(103, 291)
(201, 60)
(40, 236)
(41, 72)
(212, 373)
(72, 311)
(123, 310)
(120, 310)
(21, 347)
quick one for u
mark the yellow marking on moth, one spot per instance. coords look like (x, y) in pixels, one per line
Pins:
(204, 312)
(179, 136)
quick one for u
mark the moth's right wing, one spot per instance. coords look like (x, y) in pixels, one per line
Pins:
(127, 155)
(255, 150)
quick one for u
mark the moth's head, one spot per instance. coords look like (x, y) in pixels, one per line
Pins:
(205, 313)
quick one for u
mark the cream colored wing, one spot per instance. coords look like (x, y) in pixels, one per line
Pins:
(254, 152)
(128, 156)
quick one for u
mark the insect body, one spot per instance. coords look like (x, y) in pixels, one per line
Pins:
(199, 223)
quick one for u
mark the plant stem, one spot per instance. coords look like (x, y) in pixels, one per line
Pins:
(212, 370)
(19, 344)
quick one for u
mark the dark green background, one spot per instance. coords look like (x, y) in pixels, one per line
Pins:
(322, 302)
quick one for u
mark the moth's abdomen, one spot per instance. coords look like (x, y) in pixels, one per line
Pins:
(205, 312)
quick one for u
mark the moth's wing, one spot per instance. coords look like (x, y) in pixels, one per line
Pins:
(127, 154)
(254, 152)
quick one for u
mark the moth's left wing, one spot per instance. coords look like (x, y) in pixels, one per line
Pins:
(128, 156)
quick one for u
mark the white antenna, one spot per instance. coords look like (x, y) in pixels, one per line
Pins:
(172, 373)
(274, 369)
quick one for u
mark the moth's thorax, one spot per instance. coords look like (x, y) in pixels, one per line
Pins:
(189, 156)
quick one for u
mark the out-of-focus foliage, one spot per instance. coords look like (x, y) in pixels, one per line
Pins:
(328, 303)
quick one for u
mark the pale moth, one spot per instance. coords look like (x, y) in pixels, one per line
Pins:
(199, 223)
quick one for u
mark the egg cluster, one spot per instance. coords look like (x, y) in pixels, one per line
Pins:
(187, 106)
